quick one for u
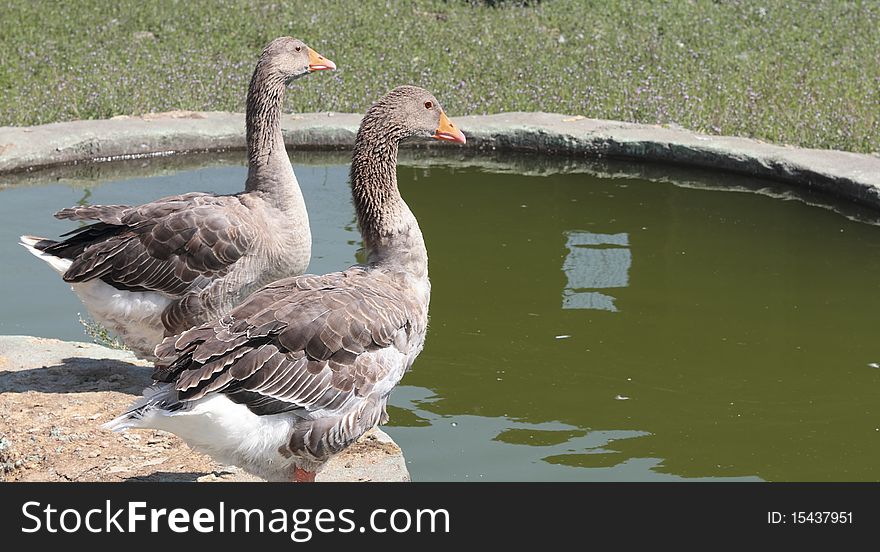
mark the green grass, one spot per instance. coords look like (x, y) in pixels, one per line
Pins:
(100, 334)
(804, 73)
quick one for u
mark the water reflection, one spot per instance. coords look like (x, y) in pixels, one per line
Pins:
(594, 261)
(481, 448)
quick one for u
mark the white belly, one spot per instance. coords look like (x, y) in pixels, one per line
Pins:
(133, 316)
(229, 433)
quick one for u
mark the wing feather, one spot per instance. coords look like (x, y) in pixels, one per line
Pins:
(306, 343)
(170, 246)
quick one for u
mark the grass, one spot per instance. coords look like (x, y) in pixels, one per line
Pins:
(100, 334)
(803, 73)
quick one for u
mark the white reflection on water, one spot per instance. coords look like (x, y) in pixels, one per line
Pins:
(594, 261)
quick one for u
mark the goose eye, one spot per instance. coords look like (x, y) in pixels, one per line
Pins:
(429, 105)
(299, 48)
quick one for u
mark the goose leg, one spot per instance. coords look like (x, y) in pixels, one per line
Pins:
(302, 476)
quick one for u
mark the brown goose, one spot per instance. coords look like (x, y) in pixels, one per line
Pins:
(304, 367)
(157, 269)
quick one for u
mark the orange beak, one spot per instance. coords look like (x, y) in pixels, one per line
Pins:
(448, 131)
(317, 62)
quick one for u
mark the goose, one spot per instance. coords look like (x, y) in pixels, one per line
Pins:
(152, 270)
(304, 367)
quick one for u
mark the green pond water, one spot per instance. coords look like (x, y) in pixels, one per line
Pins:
(582, 327)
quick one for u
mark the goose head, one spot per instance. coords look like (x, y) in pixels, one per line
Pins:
(291, 59)
(414, 112)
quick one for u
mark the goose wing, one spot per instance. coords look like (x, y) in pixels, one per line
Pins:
(303, 344)
(165, 246)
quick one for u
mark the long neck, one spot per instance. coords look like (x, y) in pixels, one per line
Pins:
(269, 170)
(390, 230)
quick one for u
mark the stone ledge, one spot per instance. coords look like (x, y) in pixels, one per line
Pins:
(54, 396)
(852, 176)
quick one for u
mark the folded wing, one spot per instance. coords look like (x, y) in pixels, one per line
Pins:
(169, 246)
(314, 345)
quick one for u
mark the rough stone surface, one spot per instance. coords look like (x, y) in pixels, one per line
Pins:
(54, 396)
(848, 175)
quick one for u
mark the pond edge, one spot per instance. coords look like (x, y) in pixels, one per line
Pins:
(851, 176)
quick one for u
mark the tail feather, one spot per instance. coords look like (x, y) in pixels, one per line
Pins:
(161, 396)
(36, 246)
(36, 242)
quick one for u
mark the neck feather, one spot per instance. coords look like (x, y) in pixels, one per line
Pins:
(390, 230)
(269, 171)
(267, 157)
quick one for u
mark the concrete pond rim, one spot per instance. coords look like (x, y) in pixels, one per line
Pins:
(532, 143)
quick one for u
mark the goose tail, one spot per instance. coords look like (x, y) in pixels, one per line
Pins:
(36, 246)
(154, 397)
